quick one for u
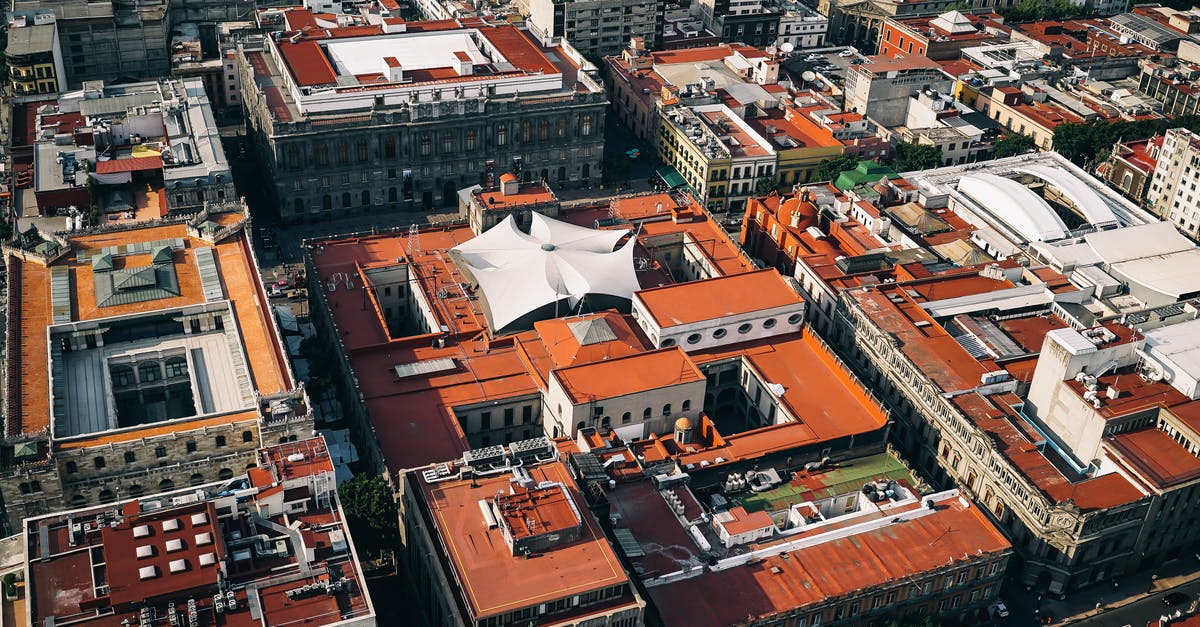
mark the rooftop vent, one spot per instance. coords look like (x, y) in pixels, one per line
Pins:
(178, 566)
(147, 572)
(199, 519)
(204, 538)
(145, 551)
(171, 524)
(141, 531)
(208, 559)
(174, 545)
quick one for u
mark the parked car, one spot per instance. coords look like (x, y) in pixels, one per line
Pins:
(1175, 598)
(1000, 609)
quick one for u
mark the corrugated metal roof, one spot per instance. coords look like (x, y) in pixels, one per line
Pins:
(428, 366)
(135, 248)
(117, 104)
(60, 294)
(135, 285)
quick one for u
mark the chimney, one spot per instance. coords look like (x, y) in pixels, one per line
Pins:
(395, 73)
(510, 185)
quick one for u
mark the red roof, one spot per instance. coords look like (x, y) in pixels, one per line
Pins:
(132, 164)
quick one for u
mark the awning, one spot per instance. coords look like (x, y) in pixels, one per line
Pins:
(133, 164)
(669, 176)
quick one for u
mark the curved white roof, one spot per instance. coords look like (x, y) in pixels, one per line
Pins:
(519, 273)
(1093, 207)
(1014, 204)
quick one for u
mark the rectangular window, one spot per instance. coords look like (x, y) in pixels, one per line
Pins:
(485, 420)
(526, 415)
(508, 416)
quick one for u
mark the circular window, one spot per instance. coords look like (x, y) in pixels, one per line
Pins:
(795, 319)
(745, 328)
(668, 342)
(768, 323)
(719, 333)
(693, 338)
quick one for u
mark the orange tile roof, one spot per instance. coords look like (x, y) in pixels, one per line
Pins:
(564, 348)
(718, 297)
(629, 374)
(835, 568)
(494, 581)
(1157, 456)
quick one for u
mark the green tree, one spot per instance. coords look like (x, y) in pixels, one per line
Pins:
(908, 157)
(1085, 143)
(829, 169)
(912, 621)
(1013, 144)
(765, 185)
(371, 512)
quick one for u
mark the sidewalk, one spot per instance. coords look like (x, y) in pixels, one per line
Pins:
(1081, 605)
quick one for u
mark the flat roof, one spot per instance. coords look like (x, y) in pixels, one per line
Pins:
(241, 283)
(718, 297)
(844, 563)
(494, 581)
(630, 374)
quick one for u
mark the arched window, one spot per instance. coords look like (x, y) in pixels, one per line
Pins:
(646, 414)
(587, 170)
(626, 418)
(526, 131)
(687, 405)
(562, 174)
(580, 426)
(343, 153)
(136, 490)
(543, 130)
(149, 372)
(247, 436)
(78, 500)
(667, 409)
(177, 367)
(196, 479)
(1126, 181)
(447, 143)
(345, 200)
(472, 140)
(166, 484)
(425, 146)
(122, 376)
(606, 422)
(107, 496)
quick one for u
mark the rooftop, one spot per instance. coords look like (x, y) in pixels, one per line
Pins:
(719, 297)
(480, 555)
(191, 553)
(630, 374)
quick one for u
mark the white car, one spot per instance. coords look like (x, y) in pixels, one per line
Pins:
(846, 53)
(1000, 609)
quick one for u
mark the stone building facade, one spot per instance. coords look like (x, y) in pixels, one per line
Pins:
(417, 153)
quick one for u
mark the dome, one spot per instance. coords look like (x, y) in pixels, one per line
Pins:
(683, 424)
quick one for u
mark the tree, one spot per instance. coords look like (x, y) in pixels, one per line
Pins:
(371, 513)
(765, 185)
(909, 157)
(829, 169)
(1084, 143)
(912, 621)
(1013, 144)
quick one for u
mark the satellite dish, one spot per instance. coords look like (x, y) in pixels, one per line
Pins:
(787, 47)
(809, 76)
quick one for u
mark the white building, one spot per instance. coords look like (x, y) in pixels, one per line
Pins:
(801, 26)
(1172, 193)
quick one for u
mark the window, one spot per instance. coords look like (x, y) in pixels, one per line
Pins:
(322, 154)
(508, 416)
(160, 451)
(220, 441)
(768, 323)
(149, 372)
(472, 138)
(485, 420)
(247, 436)
(389, 149)
(225, 473)
(585, 128)
(795, 319)
(176, 367)
(98, 462)
(343, 153)
(191, 447)
(166, 484)
(626, 418)
(719, 333)
(646, 414)
(667, 409)
(501, 135)
(687, 405)
(745, 328)
(425, 146)
(526, 131)
(72, 467)
(360, 150)
(526, 415)
(122, 376)
(447, 143)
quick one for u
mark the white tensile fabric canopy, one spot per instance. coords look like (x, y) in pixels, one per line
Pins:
(519, 273)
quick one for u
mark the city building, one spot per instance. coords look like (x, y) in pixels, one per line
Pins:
(854, 541)
(1004, 377)
(109, 40)
(1029, 111)
(399, 115)
(1168, 193)
(504, 536)
(882, 87)
(750, 22)
(34, 56)
(801, 26)
(852, 22)
(267, 546)
(142, 150)
(1131, 165)
(138, 359)
(939, 38)
(593, 27)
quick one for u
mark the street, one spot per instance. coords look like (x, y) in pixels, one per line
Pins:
(1140, 612)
